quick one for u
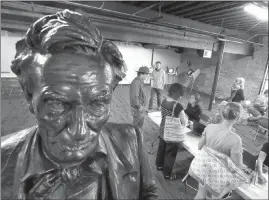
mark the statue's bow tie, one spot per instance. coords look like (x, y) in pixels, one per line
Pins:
(49, 181)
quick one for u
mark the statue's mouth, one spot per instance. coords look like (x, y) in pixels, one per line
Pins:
(77, 147)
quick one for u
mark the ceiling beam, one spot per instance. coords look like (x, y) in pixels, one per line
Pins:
(240, 23)
(142, 3)
(121, 32)
(21, 13)
(123, 11)
(231, 16)
(206, 10)
(147, 8)
(200, 5)
(248, 20)
(215, 12)
(244, 27)
(167, 4)
(179, 5)
(28, 7)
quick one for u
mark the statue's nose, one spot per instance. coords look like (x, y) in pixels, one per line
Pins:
(77, 125)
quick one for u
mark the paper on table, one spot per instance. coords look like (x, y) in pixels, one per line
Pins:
(262, 186)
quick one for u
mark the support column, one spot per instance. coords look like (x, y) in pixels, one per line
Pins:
(152, 57)
(217, 72)
(264, 76)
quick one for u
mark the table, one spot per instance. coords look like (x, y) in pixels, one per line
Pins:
(246, 191)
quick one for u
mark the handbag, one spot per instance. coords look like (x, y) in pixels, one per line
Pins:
(216, 171)
(174, 131)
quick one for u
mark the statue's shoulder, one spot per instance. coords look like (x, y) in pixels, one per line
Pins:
(12, 143)
(123, 131)
(13, 139)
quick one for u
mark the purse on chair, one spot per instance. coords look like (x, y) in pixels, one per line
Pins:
(216, 171)
(174, 131)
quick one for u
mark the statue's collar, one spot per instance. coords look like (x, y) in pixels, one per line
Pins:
(35, 162)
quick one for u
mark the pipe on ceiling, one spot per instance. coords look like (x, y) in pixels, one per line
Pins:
(163, 24)
(256, 36)
(142, 19)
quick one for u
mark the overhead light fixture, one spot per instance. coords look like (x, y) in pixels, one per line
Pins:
(259, 12)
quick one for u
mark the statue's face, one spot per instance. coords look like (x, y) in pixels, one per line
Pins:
(72, 104)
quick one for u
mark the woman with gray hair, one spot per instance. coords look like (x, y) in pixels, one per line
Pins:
(237, 90)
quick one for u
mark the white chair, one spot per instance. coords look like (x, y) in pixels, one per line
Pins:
(209, 195)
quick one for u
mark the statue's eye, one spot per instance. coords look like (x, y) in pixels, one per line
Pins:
(55, 107)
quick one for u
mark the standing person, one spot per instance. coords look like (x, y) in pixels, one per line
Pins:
(221, 138)
(167, 151)
(237, 90)
(157, 85)
(138, 97)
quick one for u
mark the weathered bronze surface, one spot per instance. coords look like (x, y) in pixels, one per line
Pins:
(68, 74)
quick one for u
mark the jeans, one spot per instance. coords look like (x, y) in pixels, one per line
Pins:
(166, 156)
(158, 93)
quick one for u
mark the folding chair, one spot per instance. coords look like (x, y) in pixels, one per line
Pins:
(209, 196)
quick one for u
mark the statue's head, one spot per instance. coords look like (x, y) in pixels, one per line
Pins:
(68, 73)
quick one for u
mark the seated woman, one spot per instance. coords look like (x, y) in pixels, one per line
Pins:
(237, 90)
(193, 112)
(259, 120)
(167, 151)
(220, 137)
(263, 159)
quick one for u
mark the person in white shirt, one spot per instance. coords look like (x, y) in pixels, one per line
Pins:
(157, 84)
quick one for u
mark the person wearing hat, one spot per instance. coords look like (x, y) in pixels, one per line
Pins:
(138, 96)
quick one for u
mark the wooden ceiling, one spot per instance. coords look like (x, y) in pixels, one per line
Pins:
(215, 19)
(226, 14)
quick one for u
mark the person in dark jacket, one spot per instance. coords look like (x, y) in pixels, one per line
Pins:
(138, 97)
(193, 112)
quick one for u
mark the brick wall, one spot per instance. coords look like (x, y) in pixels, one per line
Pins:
(233, 66)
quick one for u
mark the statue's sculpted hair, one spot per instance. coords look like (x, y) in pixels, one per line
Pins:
(64, 31)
